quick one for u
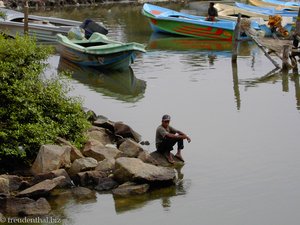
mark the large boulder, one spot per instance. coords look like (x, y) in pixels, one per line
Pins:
(104, 122)
(135, 170)
(130, 188)
(43, 188)
(24, 206)
(161, 160)
(105, 184)
(88, 178)
(51, 157)
(147, 158)
(75, 152)
(100, 134)
(100, 152)
(106, 165)
(83, 164)
(14, 182)
(4, 185)
(123, 130)
(130, 148)
(82, 193)
(53, 174)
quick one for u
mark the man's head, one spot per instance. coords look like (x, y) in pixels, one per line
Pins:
(165, 120)
(211, 4)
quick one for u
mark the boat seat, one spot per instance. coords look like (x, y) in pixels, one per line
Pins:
(89, 44)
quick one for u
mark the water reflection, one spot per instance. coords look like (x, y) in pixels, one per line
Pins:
(120, 85)
(275, 76)
(198, 52)
(178, 43)
(123, 204)
(236, 85)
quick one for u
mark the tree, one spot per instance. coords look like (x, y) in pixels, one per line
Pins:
(33, 110)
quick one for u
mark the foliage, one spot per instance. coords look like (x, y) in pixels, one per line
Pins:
(3, 15)
(33, 111)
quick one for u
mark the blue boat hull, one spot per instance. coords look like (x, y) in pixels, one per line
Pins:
(115, 61)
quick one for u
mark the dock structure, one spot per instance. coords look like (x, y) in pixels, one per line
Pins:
(273, 47)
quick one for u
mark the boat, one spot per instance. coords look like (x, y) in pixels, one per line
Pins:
(180, 43)
(259, 21)
(168, 21)
(250, 11)
(99, 51)
(266, 11)
(120, 85)
(42, 28)
(278, 5)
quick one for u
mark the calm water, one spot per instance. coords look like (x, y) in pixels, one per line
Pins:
(242, 166)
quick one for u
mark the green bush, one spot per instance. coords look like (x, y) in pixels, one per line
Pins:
(33, 111)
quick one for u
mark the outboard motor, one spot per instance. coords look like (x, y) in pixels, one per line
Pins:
(91, 26)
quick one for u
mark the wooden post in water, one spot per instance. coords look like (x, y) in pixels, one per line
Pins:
(285, 58)
(236, 38)
(26, 17)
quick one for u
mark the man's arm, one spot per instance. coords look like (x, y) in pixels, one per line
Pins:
(178, 135)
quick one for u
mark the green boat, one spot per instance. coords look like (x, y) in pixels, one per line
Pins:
(99, 51)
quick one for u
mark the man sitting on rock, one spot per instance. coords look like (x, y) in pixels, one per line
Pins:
(167, 137)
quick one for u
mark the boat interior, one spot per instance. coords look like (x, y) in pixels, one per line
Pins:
(90, 44)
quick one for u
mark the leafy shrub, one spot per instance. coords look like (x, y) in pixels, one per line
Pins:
(33, 111)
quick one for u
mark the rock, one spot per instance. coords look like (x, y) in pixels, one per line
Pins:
(102, 121)
(24, 206)
(135, 170)
(88, 178)
(4, 185)
(75, 152)
(14, 181)
(105, 184)
(162, 161)
(147, 158)
(43, 188)
(2, 218)
(126, 131)
(51, 157)
(83, 164)
(106, 165)
(100, 134)
(130, 148)
(92, 143)
(53, 174)
(83, 193)
(100, 152)
(91, 115)
(61, 197)
(130, 188)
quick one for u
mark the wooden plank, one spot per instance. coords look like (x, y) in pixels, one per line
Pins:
(285, 57)
(266, 53)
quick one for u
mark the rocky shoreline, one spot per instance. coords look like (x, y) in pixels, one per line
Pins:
(112, 159)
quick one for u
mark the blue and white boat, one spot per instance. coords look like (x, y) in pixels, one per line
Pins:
(276, 4)
(259, 20)
(270, 11)
(173, 22)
